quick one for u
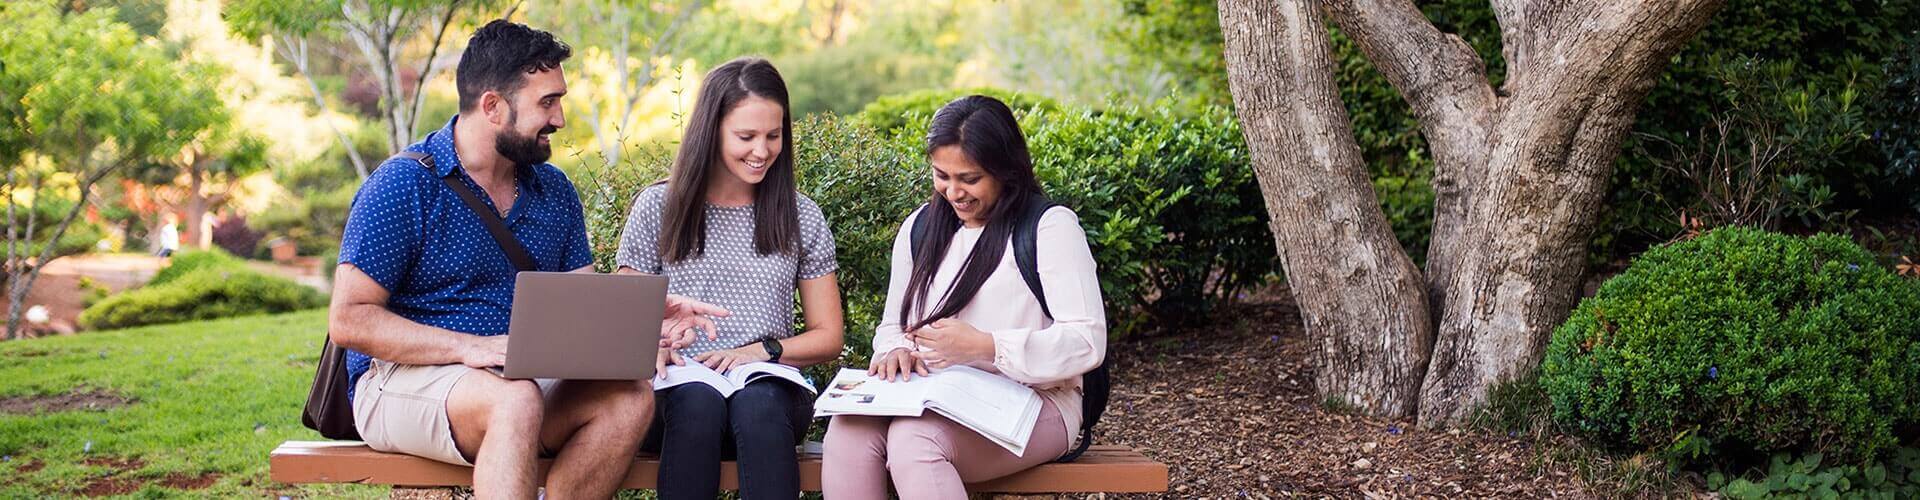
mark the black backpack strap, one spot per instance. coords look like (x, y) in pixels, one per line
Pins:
(522, 261)
(1026, 249)
(1026, 252)
(917, 232)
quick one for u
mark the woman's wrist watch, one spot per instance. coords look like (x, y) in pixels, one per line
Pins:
(773, 349)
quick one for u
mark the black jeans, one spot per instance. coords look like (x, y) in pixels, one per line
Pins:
(694, 429)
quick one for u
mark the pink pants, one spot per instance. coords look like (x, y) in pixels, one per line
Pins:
(927, 456)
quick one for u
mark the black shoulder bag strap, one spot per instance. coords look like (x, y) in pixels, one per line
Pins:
(327, 409)
(522, 261)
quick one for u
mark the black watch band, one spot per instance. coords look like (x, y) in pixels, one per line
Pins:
(773, 349)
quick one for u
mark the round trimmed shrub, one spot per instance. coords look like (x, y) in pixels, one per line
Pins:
(210, 293)
(189, 261)
(1743, 341)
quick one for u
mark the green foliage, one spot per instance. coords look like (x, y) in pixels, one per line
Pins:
(1782, 148)
(891, 113)
(91, 291)
(1183, 35)
(208, 293)
(865, 184)
(77, 82)
(191, 261)
(1831, 48)
(607, 191)
(1824, 41)
(1897, 113)
(898, 51)
(314, 220)
(1789, 476)
(1743, 340)
(79, 238)
(1169, 202)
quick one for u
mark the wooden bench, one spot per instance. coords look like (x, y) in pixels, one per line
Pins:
(1106, 468)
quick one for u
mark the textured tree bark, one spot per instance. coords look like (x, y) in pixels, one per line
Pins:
(1571, 101)
(1519, 175)
(1363, 300)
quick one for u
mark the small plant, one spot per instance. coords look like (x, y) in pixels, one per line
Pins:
(91, 291)
(1807, 476)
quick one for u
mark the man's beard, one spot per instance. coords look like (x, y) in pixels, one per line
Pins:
(522, 149)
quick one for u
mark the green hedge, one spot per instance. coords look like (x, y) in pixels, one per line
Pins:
(1742, 341)
(207, 293)
(1170, 204)
(189, 261)
(1168, 200)
(915, 109)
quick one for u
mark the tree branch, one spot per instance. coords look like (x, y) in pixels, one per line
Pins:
(20, 288)
(1361, 297)
(420, 84)
(1444, 81)
(300, 61)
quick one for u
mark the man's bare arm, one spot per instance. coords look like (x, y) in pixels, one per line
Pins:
(358, 319)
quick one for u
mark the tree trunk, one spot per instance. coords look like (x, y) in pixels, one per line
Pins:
(22, 281)
(1364, 302)
(1579, 81)
(1518, 180)
(196, 204)
(13, 244)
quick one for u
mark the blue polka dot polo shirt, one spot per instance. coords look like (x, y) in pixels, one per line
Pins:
(417, 239)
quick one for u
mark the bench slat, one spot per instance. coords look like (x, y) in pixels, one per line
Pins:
(1104, 468)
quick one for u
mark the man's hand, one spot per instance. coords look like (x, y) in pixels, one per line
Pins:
(722, 361)
(900, 361)
(683, 316)
(484, 352)
(951, 342)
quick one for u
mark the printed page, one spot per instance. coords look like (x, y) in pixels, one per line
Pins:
(852, 392)
(690, 373)
(742, 374)
(994, 406)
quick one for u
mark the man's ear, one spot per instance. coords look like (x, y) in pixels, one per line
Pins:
(493, 106)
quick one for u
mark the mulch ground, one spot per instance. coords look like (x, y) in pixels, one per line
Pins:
(1229, 407)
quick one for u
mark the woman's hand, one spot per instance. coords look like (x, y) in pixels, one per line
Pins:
(901, 362)
(682, 316)
(721, 361)
(667, 355)
(951, 342)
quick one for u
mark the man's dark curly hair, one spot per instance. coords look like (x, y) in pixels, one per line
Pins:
(500, 55)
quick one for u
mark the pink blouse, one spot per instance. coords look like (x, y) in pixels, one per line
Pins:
(1046, 354)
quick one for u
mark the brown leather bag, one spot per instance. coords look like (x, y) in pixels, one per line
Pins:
(328, 410)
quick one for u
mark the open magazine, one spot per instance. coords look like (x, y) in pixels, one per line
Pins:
(1002, 410)
(731, 381)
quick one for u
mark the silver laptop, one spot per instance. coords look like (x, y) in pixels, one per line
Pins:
(584, 326)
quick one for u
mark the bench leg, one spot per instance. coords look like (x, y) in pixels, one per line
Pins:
(416, 493)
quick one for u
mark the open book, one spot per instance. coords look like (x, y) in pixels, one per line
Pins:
(731, 381)
(996, 407)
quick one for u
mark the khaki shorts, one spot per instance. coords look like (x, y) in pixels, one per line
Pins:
(403, 409)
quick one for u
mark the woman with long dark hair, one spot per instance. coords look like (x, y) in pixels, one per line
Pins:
(960, 300)
(728, 228)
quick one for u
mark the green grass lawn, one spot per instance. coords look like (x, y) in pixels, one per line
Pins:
(209, 398)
